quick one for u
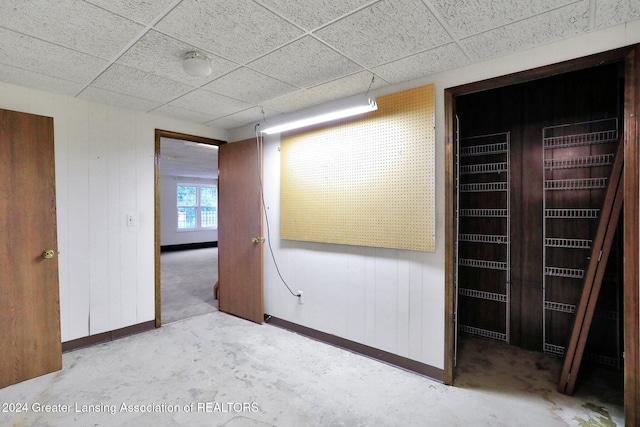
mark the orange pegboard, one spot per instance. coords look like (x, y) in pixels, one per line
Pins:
(366, 181)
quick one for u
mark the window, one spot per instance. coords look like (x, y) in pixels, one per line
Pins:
(197, 206)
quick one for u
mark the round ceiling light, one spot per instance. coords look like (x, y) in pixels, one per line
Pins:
(196, 64)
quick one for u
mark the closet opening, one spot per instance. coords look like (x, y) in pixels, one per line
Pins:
(529, 157)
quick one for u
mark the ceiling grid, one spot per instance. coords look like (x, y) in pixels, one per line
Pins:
(273, 55)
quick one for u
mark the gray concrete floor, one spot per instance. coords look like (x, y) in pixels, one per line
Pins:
(187, 279)
(219, 370)
(513, 374)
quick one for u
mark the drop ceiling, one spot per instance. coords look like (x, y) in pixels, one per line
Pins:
(268, 56)
(188, 159)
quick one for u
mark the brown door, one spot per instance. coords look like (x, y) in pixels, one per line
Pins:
(631, 215)
(239, 224)
(29, 296)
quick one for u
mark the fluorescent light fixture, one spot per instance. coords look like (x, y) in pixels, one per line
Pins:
(200, 144)
(322, 113)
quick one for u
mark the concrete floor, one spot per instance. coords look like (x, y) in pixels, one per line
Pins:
(187, 279)
(219, 370)
(514, 375)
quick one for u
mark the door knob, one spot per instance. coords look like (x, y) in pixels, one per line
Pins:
(48, 254)
(257, 239)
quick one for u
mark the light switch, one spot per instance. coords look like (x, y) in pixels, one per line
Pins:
(131, 220)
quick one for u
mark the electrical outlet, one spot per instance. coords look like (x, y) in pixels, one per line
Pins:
(300, 297)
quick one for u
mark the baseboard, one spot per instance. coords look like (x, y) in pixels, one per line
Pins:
(365, 350)
(187, 246)
(107, 336)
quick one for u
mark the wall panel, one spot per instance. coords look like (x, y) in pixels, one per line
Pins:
(415, 306)
(386, 289)
(114, 210)
(404, 281)
(61, 148)
(369, 309)
(78, 220)
(99, 219)
(145, 226)
(129, 243)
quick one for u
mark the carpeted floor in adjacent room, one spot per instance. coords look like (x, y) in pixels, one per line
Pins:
(187, 279)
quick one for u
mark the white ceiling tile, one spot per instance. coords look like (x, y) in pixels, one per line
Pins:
(311, 14)
(612, 12)
(45, 58)
(314, 63)
(422, 64)
(250, 86)
(143, 11)
(294, 101)
(137, 83)
(182, 114)
(71, 23)
(210, 103)
(541, 29)
(344, 87)
(385, 31)
(229, 122)
(252, 115)
(33, 80)
(162, 55)
(234, 29)
(469, 17)
(117, 99)
(185, 159)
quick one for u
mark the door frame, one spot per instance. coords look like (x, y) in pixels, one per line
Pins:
(631, 140)
(159, 133)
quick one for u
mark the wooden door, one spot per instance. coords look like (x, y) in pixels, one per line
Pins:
(240, 268)
(631, 215)
(29, 295)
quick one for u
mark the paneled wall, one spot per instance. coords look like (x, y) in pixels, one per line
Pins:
(104, 171)
(377, 297)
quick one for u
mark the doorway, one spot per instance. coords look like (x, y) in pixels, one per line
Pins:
(186, 252)
(627, 57)
(533, 163)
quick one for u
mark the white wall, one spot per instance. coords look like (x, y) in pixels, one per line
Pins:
(169, 234)
(385, 298)
(391, 299)
(104, 160)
